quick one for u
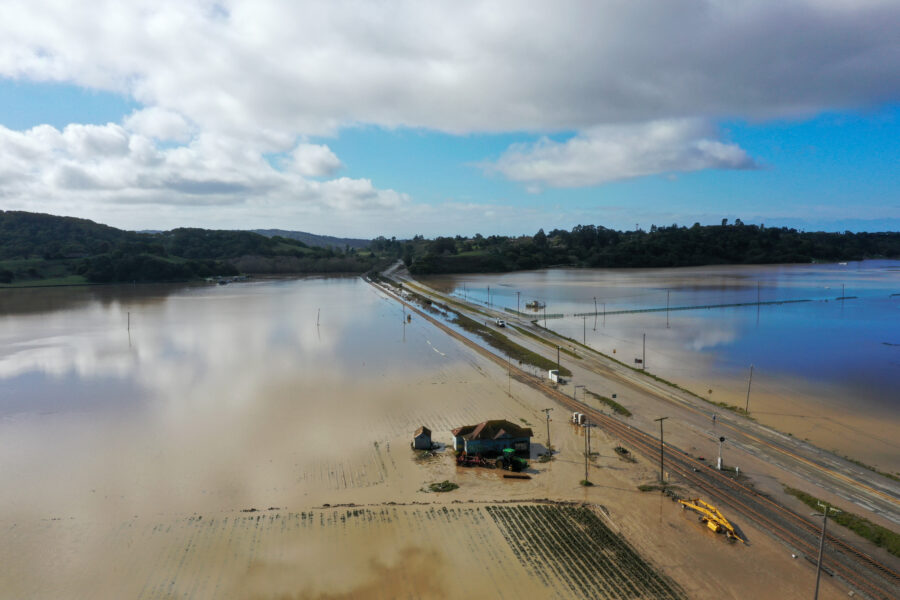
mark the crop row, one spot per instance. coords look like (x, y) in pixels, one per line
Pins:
(571, 548)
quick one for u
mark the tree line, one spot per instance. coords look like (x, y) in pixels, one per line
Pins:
(38, 246)
(667, 246)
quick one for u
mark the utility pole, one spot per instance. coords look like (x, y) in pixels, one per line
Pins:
(661, 419)
(547, 412)
(517, 300)
(489, 295)
(757, 302)
(129, 320)
(587, 449)
(644, 354)
(508, 375)
(719, 462)
(667, 309)
(824, 513)
(319, 312)
(595, 313)
(557, 362)
(584, 329)
(604, 314)
(749, 383)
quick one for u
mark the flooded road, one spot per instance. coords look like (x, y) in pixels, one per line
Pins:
(827, 369)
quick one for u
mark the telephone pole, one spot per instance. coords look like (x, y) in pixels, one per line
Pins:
(661, 419)
(517, 300)
(824, 513)
(595, 313)
(667, 309)
(584, 329)
(587, 451)
(557, 362)
(749, 383)
(547, 412)
(644, 354)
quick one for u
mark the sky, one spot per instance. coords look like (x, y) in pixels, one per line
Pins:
(399, 118)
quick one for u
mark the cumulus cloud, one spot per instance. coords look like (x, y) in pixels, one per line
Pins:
(614, 152)
(265, 66)
(102, 168)
(315, 160)
(160, 124)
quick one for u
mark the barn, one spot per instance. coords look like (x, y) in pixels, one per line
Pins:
(492, 437)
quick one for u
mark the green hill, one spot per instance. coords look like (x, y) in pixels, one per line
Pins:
(41, 249)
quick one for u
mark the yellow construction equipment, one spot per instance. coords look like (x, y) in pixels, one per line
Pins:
(710, 515)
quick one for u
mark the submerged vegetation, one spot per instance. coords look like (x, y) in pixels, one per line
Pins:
(878, 535)
(507, 346)
(443, 486)
(615, 406)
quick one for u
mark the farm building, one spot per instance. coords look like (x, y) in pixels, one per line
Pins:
(492, 436)
(422, 439)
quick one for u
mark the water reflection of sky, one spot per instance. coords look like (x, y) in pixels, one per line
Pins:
(73, 350)
(847, 343)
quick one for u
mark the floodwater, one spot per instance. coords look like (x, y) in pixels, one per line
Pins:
(128, 414)
(187, 441)
(836, 358)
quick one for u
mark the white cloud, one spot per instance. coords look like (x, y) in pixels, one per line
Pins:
(105, 169)
(314, 160)
(160, 124)
(613, 152)
(224, 85)
(253, 66)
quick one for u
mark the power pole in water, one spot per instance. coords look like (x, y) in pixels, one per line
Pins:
(547, 411)
(749, 382)
(661, 419)
(595, 313)
(824, 513)
(587, 448)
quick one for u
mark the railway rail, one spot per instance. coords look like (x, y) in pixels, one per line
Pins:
(861, 571)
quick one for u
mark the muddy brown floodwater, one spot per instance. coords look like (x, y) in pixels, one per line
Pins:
(205, 442)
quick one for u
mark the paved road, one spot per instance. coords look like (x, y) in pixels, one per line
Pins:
(690, 420)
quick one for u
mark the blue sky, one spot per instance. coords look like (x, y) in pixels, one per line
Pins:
(431, 119)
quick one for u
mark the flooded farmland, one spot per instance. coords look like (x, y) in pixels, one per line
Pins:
(824, 368)
(252, 441)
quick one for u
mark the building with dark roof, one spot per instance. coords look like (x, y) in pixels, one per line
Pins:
(492, 437)
(422, 439)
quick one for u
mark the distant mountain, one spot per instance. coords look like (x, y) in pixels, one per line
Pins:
(319, 241)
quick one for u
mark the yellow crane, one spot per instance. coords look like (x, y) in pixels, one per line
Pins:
(710, 515)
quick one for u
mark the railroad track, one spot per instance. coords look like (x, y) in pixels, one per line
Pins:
(861, 571)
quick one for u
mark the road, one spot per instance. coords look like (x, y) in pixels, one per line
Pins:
(768, 455)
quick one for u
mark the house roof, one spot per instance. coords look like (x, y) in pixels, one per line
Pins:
(422, 430)
(492, 430)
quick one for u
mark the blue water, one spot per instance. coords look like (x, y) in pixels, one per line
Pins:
(852, 344)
